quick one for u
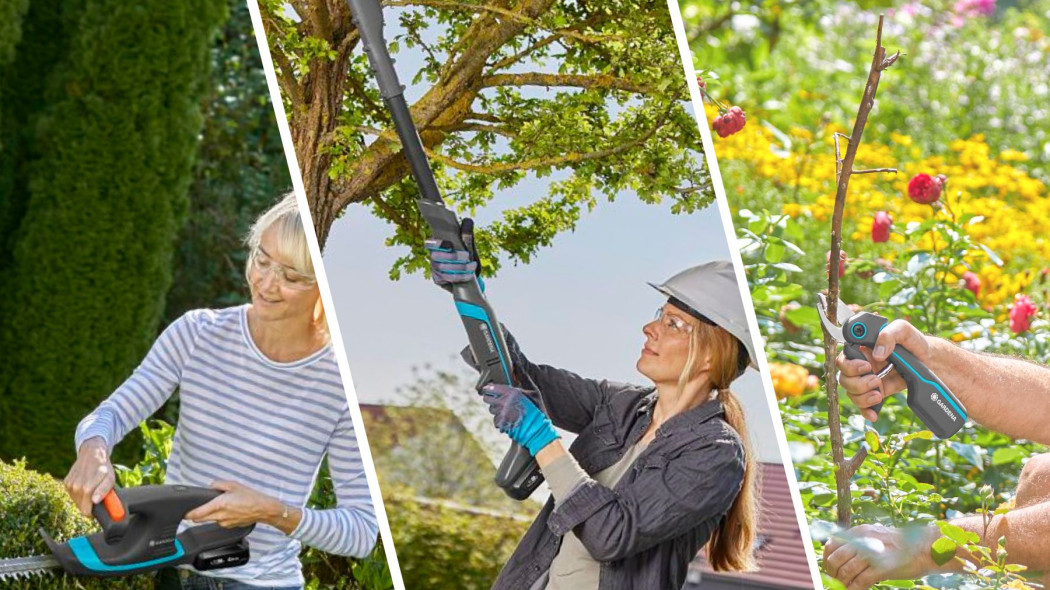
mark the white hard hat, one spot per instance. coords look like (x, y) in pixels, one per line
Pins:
(710, 292)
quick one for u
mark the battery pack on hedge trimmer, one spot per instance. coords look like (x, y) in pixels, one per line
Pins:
(518, 475)
(140, 534)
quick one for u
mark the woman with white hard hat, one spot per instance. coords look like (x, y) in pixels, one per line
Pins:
(657, 472)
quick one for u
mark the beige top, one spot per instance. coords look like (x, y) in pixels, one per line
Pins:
(574, 568)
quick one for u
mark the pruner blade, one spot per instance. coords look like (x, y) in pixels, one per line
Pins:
(842, 313)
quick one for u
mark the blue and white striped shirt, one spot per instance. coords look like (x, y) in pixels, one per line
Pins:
(248, 419)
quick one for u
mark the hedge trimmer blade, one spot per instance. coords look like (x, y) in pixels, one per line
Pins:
(23, 567)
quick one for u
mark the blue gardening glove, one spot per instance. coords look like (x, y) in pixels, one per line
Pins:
(517, 416)
(449, 265)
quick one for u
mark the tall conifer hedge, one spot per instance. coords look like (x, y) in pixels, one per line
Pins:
(91, 258)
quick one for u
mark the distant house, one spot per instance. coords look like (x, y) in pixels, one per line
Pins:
(781, 557)
(782, 561)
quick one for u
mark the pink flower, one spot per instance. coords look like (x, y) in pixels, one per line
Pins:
(925, 189)
(972, 282)
(975, 7)
(1020, 313)
(880, 227)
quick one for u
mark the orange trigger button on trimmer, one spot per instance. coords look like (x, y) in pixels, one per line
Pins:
(113, 506)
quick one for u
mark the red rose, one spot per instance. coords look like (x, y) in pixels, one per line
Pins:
(1020, 313)
(842, 262)
(925, 189)
(880, 227)
(972, 282)
(700, 81)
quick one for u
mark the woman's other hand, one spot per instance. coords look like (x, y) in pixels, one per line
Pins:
(240, 506)
(91, 476)
(519, 417)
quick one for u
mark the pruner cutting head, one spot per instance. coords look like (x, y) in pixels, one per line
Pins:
(842, 313)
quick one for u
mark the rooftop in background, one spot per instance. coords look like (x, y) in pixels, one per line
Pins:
(782, 559)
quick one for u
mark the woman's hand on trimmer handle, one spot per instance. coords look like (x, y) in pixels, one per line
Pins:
(858, 377)
(520, 416)
(449, 265)
(91, 476)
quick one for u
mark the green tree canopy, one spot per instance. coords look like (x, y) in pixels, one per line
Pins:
(589, 94)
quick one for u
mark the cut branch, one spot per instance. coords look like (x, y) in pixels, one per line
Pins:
(844, 469)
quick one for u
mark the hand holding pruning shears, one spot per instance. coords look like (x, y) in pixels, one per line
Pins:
(864, 380)
(930, 399)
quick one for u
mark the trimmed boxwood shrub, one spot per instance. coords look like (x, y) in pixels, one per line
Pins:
(30, 501)
(92, 255)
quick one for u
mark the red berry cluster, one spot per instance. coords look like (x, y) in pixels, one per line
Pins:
(729, 122)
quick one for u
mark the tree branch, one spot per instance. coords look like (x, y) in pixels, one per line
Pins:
(508, 14)
(571, 80)
(549, 162)
(844, 469)
(286, 77)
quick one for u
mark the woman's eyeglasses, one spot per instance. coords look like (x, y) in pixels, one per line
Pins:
(286, 276)
(673, 323)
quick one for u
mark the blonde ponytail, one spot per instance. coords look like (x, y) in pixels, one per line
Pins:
(731, 546)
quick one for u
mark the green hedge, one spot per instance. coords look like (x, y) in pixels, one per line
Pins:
(439, 547)
(92, 256)
(30, 501)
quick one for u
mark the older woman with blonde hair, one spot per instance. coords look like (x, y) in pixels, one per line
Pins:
(261, 404)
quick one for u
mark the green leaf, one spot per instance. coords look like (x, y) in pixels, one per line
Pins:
(923, 434)
(943, 550)
(957, 534)
(1005, 455)
(872, 439)
(774, 252)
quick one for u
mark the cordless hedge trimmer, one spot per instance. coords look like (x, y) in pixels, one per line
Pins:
(139, 534)
(518, 474)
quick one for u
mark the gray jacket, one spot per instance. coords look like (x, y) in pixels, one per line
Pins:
(647, 529)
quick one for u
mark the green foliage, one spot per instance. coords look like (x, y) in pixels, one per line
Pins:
(45, 33)
(156, 446)
(11, 13)
(908, 477)
(426, 446)
(30, 501)
(446, 547)
(91, 258)
(792, 62)
(589, 98)
(240, 171)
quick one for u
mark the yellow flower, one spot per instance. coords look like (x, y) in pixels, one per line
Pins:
(788, 380)
(1014, 205)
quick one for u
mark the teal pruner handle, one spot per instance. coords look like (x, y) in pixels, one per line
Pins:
(928, 396)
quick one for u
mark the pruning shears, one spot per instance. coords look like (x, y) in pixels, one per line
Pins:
(930, 399)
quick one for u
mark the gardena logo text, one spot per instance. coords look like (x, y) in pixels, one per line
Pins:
(937, 400)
